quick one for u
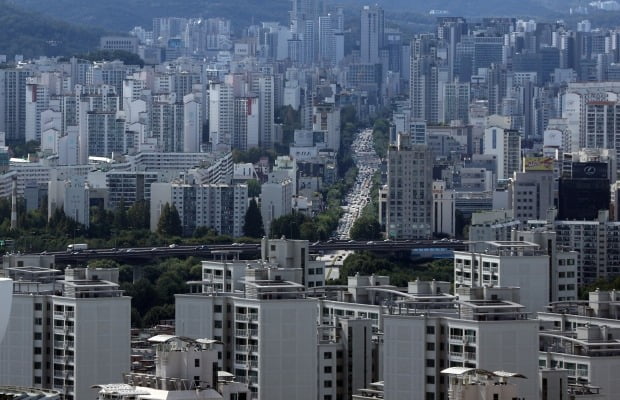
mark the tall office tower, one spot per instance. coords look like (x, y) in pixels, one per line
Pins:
(106, 134)
(221, 111)
(310, 41)
(455, 102)
(409, 200)
(304, 27)
(584, 192)
(263, 87)
(327, 40)
(372, 32)
(505, 145)
(424, 80)
(13, 102)
(532, 190)
(66, 335)
(497, 86)
(451, 30)
(218, 206)
(167, 124)
(246, 123)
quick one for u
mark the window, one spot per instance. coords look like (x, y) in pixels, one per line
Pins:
(38, 321)
(430, 330)
(430, 346)
(430, 396)
(327, 384)
(37, 336)
(430, 379)
(327, 355)
(38, 306)
(430, 362)
(197, 362)
(217, 308)
(37, 350)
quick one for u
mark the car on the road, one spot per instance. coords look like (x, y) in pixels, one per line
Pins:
(173, 246)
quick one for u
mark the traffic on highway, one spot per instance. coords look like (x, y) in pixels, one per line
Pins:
(367, 163)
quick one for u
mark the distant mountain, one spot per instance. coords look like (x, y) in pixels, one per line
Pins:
(33, 34)
(122, 15)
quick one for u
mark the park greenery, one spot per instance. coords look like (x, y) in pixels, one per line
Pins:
(400, 269)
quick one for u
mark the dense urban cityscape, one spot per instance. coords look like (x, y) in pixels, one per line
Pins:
(340, 202)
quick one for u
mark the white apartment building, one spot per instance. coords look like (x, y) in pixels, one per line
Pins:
(269, 335)
(582, 338)
(563, 263)
(596, 242)
(6, 293)
(73, 196)
(66, 335)
(474, 384)
(326, 119)
(185, 369)
(488, 330)
(276, 200)
(505, 145)
(443, 211)
(221, 106)
(495, 225)
(506, 264)
(218, 206)
(532, 194)
(410, 199)
(283, 259)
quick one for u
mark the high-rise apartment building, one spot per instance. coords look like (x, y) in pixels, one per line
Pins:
(218, 206)
(66, 335)
(505, 145)
(410, 200)
(13, 102)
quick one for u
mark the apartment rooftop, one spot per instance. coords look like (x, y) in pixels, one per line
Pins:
(505, 248)
(274, 290)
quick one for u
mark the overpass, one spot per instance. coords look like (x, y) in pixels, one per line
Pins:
(146, 254)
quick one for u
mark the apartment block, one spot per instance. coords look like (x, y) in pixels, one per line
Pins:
(506, 264)
(66, 335)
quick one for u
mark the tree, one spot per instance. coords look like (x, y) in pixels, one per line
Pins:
(120, 215)
(253, 226)
(366, 228)
(254, 188)
(138, 215)
(288, 225)
(169, 222)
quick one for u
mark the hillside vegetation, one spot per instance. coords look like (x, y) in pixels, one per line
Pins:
(34, 34)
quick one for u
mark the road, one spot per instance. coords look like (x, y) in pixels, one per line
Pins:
(367, 163)
(146, 254)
